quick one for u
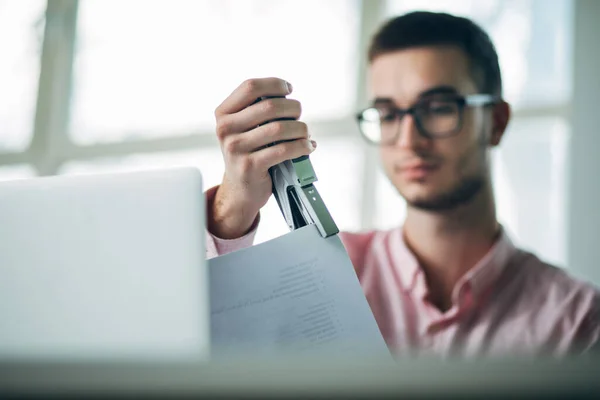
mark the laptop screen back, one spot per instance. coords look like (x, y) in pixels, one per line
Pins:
(107, 267)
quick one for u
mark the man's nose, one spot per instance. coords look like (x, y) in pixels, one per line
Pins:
(409, 136)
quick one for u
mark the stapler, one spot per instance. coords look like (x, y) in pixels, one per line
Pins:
(298, 198)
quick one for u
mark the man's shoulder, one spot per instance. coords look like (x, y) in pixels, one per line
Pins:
(557, 291)
(549, 276)
(554, 301)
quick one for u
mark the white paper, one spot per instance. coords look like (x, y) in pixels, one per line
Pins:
(298, 292)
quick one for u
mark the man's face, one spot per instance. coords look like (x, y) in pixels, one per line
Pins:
(432, 173)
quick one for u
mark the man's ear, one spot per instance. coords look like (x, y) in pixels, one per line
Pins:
(500, 117)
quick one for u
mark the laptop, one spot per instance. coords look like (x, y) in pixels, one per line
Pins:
(106, 267)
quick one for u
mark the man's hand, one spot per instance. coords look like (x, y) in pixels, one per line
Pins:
(246, 185)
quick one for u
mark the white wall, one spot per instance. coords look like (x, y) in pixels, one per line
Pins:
(584, 192)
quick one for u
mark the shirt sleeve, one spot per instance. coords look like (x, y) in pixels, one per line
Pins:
(216, 246)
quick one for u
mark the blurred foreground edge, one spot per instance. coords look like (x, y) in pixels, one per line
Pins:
(304, 378)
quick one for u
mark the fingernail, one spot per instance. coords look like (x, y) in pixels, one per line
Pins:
(289, 87)
(313, 145)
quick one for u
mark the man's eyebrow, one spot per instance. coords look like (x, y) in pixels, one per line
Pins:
(382, 101)
(442, 89)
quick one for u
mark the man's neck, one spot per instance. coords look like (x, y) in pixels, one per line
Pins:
(449, 244)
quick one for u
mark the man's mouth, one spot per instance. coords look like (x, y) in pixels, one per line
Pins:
(416, 170)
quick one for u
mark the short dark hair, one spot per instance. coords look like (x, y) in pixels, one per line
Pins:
(423, 28)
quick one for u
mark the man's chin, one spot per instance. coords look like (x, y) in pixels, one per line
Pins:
(430, 204)
(418, 195)
(447, 200)
(427, 203)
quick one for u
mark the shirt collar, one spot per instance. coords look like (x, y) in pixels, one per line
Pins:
(488, 270)
(479, 278)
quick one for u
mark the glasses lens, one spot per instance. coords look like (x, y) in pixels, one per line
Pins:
(439, 117)
(370, 124)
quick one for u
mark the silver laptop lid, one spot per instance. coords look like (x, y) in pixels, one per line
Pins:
(104, 267)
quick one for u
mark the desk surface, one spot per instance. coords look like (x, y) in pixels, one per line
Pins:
(303, 378)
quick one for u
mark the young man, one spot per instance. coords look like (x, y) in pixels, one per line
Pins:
(449, 281)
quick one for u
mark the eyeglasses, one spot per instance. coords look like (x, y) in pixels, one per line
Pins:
(435, 117)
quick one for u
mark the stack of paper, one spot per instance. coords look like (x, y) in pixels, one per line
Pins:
(298, 293)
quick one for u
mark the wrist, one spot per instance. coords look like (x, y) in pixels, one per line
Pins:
(228, 217)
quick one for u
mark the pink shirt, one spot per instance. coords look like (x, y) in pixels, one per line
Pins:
(510, 303)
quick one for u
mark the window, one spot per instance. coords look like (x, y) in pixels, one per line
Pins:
(163, 71)
(532, 40)
(530, 183)
(15, 172)
(21, 27)
(209, 161)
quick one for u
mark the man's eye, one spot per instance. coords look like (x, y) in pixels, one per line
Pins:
(386, 116)
(441, 108)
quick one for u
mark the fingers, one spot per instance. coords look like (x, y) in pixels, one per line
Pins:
(266, 134)
(245, 127)
(270, 156)
(257, 114)
(250, 90)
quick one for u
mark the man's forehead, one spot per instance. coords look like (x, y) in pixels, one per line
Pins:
(405, 75)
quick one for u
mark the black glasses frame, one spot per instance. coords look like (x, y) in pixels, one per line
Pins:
(473, 100)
